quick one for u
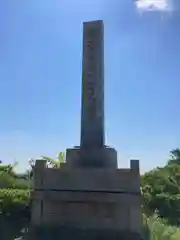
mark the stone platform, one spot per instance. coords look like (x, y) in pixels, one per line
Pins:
(105, 157)
(91, 200)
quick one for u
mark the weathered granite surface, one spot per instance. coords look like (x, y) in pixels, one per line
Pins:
(87, 198)
(105, 157)
(67, 233)
(92, 103)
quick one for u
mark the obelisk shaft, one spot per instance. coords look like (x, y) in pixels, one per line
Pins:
(92, 152)
(92, 105)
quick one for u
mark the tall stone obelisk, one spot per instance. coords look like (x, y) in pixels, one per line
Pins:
(92, 151)
(92, 105)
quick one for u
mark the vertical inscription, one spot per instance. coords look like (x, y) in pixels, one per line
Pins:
(90, 76)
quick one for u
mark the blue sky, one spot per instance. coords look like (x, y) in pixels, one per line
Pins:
(40, 72)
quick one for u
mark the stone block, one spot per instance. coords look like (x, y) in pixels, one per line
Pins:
(105, 157)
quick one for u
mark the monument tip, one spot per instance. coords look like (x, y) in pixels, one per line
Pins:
(94, 22)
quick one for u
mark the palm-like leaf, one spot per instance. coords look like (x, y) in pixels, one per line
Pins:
(61, 157)
(55, 163)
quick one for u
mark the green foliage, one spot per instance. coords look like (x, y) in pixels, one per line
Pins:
(14, 195)
(14, 212)
(175, 156)
(161, 231)
(161, 192)
(12, 201)
(8, 181)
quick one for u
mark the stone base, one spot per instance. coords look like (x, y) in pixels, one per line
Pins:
(105, 157)
(87, 198)
(67, 233)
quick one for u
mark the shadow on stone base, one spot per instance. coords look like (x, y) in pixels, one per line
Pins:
(68, 233)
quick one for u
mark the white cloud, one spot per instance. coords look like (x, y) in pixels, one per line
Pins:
(154, 5)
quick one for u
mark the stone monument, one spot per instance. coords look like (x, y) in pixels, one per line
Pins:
(92, 151)
(88, 197)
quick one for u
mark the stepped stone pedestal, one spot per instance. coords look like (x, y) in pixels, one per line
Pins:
(88, 197)
(86, 203)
